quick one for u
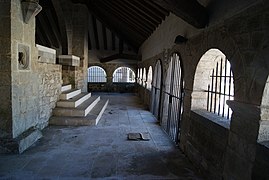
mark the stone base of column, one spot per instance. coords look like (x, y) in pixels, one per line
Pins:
(20, 143)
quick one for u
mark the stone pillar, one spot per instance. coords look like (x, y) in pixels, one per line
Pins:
(80, 44)
(19, 108)
(241, 149)
(5, 69)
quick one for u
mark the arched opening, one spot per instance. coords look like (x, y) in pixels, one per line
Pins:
(149, 78)
(173, 98)
(213, 84)
(144, 78)
(263, 136)
(124, 75)
(156, 89)
(96, 74)
(140, 76)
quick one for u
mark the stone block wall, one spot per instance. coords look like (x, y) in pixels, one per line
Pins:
(50, 83)
(207, 143)
(30, 81)
(243, 38)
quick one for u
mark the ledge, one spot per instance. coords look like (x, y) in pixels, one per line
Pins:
(215, 123)
(69, 60)
(46, 55)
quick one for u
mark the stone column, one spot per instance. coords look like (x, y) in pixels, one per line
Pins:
(5, 69)
(241, 149)
(19, 108)
(80, 44)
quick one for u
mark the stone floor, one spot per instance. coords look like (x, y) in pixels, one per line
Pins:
(102, 151)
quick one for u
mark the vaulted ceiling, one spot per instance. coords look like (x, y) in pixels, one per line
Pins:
(120, 25)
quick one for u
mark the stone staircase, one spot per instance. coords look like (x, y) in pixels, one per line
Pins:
(77, 109)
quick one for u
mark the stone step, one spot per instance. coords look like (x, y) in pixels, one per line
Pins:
(69, 94)
(80, 111)
(75, 101)
(66, 88)
(91, 119)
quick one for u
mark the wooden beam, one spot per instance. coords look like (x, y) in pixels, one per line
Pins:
(53, 26)
(89, 42)
(104, 36)
(140, 13)
(130, 12)
(62, 26)
(95, 33)
(189, 10)
(40, 29)
(157, 7)
(120, 46)
(112, 8)
(116, 26)
(142, 8)
(120, 56)
(113, 41)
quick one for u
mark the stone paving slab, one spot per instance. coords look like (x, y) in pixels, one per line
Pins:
(102, 151)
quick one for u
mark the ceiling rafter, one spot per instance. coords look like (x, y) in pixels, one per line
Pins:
(115, 25)
(133, 13)
(125, 20)
(41, 31)
(53, 24)
(104, 36)
(95, 33)
(189, 10)
(141, 13)
(120, 56)
(143, 9)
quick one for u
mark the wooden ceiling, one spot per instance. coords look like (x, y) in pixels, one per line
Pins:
(133, 21)
(119, 25)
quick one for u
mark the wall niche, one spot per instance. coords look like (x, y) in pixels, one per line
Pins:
(23, 57)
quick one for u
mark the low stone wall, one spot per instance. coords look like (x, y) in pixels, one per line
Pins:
(144, 94)
(50, 76)
(207, 143)
(114, 87)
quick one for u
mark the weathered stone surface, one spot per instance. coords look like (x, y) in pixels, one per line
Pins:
(69, 60)
(46, 55)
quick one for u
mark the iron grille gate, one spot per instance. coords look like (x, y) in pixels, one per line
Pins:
(156, 90)
(173, 99)
(220, 89)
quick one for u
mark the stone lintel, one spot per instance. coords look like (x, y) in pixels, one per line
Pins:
(69, 60)
(46, 55)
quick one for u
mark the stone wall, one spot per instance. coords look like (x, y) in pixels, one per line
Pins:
(207, 143)
(242, 37)
(30, 86)
(50, 83)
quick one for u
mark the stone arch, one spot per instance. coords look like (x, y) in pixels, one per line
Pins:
(207, 81)
(173, 96)
(98, 76)
(264, 122)
(149, 78)
(144, 77)
(128, 75)
(156, 89)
